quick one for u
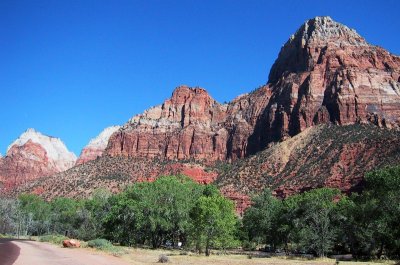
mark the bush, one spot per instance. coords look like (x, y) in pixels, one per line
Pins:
(248, 245)
(163, 258)
(55, 239)
(99, 243)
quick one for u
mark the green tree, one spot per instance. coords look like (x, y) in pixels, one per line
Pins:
(33, 215)
(157, 211)
(260, 221)
(8, 214)
(373, 215)
(313, 217)
(214, 222)
(91, 214)
(63, 216)
(123, 222)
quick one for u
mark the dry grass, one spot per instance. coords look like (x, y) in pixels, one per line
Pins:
(145, 256)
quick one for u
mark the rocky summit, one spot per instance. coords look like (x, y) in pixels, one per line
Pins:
(329, 112)
(33, 155)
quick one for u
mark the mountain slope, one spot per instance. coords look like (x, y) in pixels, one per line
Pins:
(113, 173)
(320, 156)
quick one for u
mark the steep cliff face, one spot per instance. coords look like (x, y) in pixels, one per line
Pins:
(191, 125)
(96, 146)
(326, 72)
(185, 126)
(34, 155)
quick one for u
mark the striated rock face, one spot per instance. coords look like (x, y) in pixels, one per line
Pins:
(96, 146)
(34, 155)
(190, 125)
(326, 72)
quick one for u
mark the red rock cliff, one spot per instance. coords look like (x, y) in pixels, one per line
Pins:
(326, 72)
(31, 156)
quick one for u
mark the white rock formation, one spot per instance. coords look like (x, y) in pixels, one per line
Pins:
(57, 152)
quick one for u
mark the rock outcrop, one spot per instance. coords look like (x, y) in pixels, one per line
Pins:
(96, 146)
(34, 155)
(71, 243)
(191, 125)
(327, 72)
(186, 126)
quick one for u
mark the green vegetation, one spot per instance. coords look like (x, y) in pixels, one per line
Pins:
(167, 212)
(55, 239)
(99, 243)
(324, 221)
(174, 211)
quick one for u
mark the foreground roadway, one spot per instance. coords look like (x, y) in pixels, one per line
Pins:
(25, 252)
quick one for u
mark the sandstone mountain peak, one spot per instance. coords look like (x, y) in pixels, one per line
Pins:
(97, 145)
(34, 155)
(325, 30)
(311, 42)
(55, 148)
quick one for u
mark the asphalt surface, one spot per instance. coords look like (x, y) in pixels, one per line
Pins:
(25, 252)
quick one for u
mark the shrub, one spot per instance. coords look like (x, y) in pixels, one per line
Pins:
(163, 258)
(55, 239)
(99, 243)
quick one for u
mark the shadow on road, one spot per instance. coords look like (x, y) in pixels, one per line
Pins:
(9, 252)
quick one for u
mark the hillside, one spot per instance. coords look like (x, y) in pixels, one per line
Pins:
(321, 156)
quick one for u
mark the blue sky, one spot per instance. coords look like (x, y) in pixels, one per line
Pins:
(71, 68)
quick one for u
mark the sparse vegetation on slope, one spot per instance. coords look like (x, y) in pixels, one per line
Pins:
(325, 155)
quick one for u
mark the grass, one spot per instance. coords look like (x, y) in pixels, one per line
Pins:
(106, 246)
(147, 256)
(55, 239)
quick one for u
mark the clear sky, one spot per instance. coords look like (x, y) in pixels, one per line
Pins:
(71, 68)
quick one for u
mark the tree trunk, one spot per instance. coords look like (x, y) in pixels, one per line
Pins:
(379, 254)
(208, 247)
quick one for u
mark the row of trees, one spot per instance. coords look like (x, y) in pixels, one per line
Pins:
(176, 209)
(166, 211)
(325, 221)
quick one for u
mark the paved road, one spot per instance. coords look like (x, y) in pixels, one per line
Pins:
(24, 252)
